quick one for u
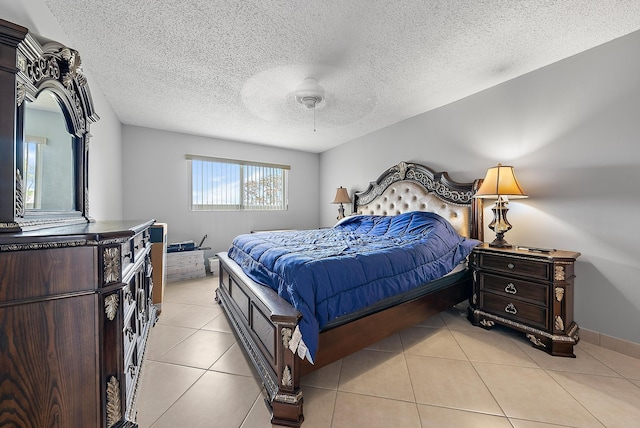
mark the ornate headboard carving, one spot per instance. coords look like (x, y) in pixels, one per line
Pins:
(409, 187)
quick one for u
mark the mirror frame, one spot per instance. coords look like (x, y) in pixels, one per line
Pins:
(39, 64)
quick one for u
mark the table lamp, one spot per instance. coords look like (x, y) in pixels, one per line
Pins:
(342, 197)
(500, 183)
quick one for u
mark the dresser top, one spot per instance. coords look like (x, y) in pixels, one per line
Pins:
(74, 234)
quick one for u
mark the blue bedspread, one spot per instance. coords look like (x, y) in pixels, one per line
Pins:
(327, 273)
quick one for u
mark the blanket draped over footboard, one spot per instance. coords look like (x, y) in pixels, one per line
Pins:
(327, 273)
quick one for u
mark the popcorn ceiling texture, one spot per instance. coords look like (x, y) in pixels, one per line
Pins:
(226, 69)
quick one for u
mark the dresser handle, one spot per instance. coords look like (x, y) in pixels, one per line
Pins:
(510, 288)
(511, 265)
(511, 309)
(129, 333)
(132, 369)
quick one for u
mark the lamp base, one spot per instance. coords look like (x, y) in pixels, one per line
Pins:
(500, 243)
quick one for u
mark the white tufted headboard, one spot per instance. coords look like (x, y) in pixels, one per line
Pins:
(413, 187)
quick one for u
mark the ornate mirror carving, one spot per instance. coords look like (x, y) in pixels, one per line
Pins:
(44, 132)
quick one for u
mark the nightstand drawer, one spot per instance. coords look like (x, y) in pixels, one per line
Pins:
(515, 266)
(514, 309)
(512, 288)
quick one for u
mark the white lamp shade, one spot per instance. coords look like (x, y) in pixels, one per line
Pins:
(500, 181)
(342, 196)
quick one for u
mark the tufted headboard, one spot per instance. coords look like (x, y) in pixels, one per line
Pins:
(413, 187)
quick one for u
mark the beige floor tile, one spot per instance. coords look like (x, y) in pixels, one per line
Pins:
(203, 283)
(441, 417)
(431, 342)
(456, 319)
(625, 365)
(161, 385)
(194, 317)
(583, 363)
(259, 416)
(614, 401)
(532, 394)
(520, 423)
(234, 361)
(219, 323)
(318, 410)
(382, 374)
(164, 337)
(354, 410)
(200, 350)
(491, 347)
(327, 377)
(215, 400)
(196, 293)
(450, 383)
(460, 375)
(171, 309)
(390, 344)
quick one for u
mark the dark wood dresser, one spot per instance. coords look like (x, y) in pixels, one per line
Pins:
(75, 313)
(530, 291)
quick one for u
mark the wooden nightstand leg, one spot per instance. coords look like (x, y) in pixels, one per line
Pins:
(476, 318)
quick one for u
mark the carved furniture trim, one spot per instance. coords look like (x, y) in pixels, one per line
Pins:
(264, 321)
(526, 291)
(78, 336)
(31, 64)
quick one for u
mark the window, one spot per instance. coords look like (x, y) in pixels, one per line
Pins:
(227, 185)
(32, 171)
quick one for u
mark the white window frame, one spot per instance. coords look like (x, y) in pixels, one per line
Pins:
(232, 184)
(33, 201)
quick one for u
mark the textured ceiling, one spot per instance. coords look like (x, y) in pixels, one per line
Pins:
(227, 69)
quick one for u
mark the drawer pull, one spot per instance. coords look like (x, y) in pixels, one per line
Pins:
(511, 265)
(510, 288)
(129, 333)
(511, 309)
(132, 369)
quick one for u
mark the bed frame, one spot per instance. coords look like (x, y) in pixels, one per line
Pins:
(264, 321)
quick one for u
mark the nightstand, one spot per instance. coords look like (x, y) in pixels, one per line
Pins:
(528, 291)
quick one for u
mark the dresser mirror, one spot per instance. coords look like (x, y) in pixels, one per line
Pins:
(48, 159)
(44, 132)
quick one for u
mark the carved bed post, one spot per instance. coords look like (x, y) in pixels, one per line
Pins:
(287, 403)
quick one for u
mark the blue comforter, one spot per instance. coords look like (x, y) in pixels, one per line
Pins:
(327, 273)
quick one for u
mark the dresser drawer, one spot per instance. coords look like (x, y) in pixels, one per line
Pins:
(131, 369)
(515, 310)
(129, 332)
(139, 243)
(515, 266)
(515, 289)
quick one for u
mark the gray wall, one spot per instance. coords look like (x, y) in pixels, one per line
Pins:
(154, 161)
(571, 130)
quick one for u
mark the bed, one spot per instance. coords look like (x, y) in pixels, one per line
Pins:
(274, 333)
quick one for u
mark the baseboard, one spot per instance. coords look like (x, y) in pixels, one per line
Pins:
(623, 346)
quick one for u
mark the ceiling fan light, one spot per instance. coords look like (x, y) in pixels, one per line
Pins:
(309, 94)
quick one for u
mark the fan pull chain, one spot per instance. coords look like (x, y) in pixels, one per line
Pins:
(314, 117)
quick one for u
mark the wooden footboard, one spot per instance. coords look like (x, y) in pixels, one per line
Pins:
(264, 323)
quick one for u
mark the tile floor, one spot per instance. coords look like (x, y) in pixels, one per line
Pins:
(441, 373)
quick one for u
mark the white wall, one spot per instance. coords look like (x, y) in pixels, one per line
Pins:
(105, 166)
(156, 186)
(572, 131)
